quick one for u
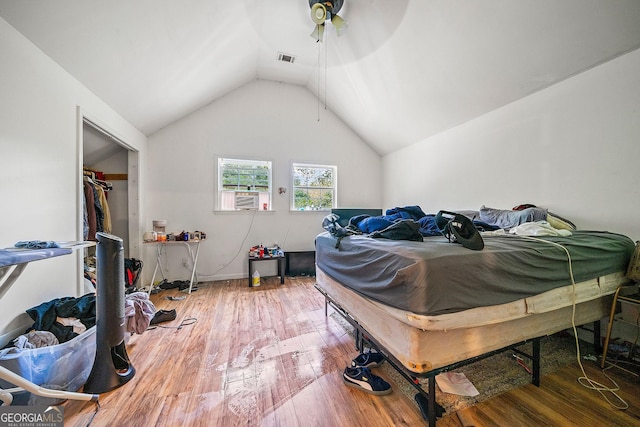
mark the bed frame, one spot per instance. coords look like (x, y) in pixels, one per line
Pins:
(416, 352)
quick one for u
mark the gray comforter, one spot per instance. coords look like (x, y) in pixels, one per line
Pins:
(435, 277)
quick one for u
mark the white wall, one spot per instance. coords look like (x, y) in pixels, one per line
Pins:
(261, 120)
(573, 148)
(40, 176)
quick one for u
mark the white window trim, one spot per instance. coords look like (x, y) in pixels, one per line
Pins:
(219, 190)
(293, 188)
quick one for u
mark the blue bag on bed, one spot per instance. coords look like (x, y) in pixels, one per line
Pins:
(405, 229)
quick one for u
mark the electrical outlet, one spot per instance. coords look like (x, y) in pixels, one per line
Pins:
(185, 262)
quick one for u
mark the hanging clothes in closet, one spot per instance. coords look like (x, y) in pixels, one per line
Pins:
(96, 214)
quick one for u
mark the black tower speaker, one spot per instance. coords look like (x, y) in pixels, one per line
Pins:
(111, 367)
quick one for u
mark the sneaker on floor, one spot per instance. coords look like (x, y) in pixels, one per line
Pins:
(370, 359)
(168, 285)
(361, 378)
(163, 316)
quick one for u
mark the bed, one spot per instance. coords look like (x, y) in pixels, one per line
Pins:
(431, 306)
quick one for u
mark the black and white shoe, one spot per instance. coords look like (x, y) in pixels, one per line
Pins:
(362, 379)
(370, 359)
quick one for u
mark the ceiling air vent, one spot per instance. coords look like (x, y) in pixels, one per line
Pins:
(285, 57)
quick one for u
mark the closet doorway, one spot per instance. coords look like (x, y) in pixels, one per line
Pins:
(100, 150)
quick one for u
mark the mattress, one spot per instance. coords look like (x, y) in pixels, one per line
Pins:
(435, 277)
(424, 343)
(481, 316)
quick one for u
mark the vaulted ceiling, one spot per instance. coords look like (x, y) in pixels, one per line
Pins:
(402, 71)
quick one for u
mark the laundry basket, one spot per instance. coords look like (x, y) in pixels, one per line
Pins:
(64, 366)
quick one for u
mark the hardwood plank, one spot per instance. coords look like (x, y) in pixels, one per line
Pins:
(269, 356)
(560, 400)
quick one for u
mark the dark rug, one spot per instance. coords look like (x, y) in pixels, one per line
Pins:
(493, 375)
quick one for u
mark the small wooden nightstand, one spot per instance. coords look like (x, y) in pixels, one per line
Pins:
(281, 265)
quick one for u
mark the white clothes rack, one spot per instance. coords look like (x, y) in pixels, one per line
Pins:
(193, 255)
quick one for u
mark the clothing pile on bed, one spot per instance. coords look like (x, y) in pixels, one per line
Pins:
(427, 226)
(411, 223)
(436, 277)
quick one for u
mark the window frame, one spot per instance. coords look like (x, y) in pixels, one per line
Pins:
(264, 196)
(333, 188)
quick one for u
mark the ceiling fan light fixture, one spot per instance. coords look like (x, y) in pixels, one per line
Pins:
(339, 24)
(318, 13)
(326, 10)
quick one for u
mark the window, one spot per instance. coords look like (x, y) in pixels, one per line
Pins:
(314, 187)
(244, 184)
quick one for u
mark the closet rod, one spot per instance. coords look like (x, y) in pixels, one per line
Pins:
(87, 171)
(116, 176)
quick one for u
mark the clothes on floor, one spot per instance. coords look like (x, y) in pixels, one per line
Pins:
(139, 311)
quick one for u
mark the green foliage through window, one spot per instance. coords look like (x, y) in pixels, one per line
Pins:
(238, 175)
(314, 187)
(245, 175)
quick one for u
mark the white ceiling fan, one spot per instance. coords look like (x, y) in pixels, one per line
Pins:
(323, 11)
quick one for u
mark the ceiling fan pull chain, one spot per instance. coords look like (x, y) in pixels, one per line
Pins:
(325, 72)
(319, 47)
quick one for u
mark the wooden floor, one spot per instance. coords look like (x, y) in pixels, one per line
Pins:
(268, 356)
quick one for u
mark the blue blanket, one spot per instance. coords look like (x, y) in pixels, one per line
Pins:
(427, 227)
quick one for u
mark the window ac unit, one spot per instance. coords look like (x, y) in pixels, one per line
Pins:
(246, 200)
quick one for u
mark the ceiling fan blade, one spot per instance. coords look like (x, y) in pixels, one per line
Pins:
(318, 13)
(339, 24)
(318, 33)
